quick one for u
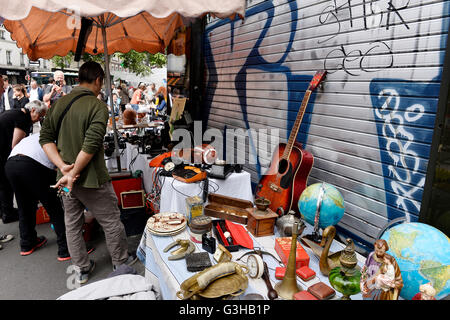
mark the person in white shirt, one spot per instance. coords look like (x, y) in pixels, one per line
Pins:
(150, 93)
(31, 173)
(34, 92)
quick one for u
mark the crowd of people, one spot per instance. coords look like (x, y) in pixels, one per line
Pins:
(142, 95)
(62, 166)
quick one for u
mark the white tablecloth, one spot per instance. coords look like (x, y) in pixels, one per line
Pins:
(174, 192)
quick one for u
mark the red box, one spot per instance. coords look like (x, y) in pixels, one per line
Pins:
(42, 216)
(283, 248)
(304, 295)
(128, 184)
(279, 273)
(306, 273)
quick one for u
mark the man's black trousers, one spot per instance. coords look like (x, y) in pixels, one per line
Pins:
(31, 183)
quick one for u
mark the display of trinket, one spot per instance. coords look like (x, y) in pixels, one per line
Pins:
(381, 278)
(186, 247)
(166, 223)
(222, 254)
(328, 260)
(283, 247)
(346, 277)
(197, 261)
(198, 226)
(427, 292)
(261, 220)
(304, 295)
(231, 235)
(208, 243)
(321, 291)
(219, 281)
(289, 286)
(194, 207)
(223, 207)
(285, 222)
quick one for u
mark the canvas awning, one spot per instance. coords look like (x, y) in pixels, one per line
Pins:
(44, 29)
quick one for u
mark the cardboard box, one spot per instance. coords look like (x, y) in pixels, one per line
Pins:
(283, 248)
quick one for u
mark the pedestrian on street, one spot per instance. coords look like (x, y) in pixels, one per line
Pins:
(31, 174)
(20, 96)
(57, 90)
(35, 92)
(7, 97)
(123, 95)
(15, 124)
(80, 141)
(4, 237)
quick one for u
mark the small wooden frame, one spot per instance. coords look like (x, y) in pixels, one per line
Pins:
(132, 199)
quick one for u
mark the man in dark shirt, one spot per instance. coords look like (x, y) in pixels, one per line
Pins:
(7, 96)
(15, 125)
(80, 142)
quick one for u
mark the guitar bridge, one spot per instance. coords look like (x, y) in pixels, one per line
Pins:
(274, 187)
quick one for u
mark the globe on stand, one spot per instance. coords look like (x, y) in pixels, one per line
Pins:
(321, 205)
(422, 253)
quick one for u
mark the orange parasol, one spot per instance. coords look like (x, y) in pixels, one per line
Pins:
(44, 29)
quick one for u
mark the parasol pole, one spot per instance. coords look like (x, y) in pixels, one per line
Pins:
(110, 95)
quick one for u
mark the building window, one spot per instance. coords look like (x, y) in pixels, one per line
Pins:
(22, 59)
(8, 57)
(2, 34)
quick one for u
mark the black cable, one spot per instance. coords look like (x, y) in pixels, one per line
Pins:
(173, 180)
(134, 159)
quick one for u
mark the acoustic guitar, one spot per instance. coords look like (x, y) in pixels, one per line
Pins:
(286, 177)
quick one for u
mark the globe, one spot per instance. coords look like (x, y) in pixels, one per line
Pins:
(422, 253)
(331, 207)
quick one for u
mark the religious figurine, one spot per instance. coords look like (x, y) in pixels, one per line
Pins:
(427, 292)
(381, 278)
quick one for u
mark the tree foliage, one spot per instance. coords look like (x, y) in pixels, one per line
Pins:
(139, 63)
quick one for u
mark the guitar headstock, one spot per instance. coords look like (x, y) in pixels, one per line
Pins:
(317, 79)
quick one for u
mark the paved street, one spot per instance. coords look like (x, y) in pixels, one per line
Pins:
(40, 276)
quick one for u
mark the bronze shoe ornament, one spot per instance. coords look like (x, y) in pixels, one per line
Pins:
(186, 247)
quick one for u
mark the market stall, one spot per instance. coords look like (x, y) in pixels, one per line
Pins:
(171, 273)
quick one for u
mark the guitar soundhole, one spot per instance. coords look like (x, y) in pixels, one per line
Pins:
(283, 165)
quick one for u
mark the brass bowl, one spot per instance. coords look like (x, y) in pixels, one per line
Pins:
(262, 204)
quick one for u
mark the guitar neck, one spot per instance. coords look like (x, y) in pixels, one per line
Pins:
(296, 127)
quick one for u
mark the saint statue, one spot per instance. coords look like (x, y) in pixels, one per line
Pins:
(381, 278)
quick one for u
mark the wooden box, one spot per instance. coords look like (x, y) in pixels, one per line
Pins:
(261, 223)
(227, 208)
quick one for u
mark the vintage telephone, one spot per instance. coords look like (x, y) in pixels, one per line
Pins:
(189, 174)
(222, 279)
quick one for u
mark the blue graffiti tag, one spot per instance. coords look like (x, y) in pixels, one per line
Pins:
(405, 136)
(296, 84)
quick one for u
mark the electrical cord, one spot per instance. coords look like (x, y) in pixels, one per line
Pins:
(133, 160)
(199, 184)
